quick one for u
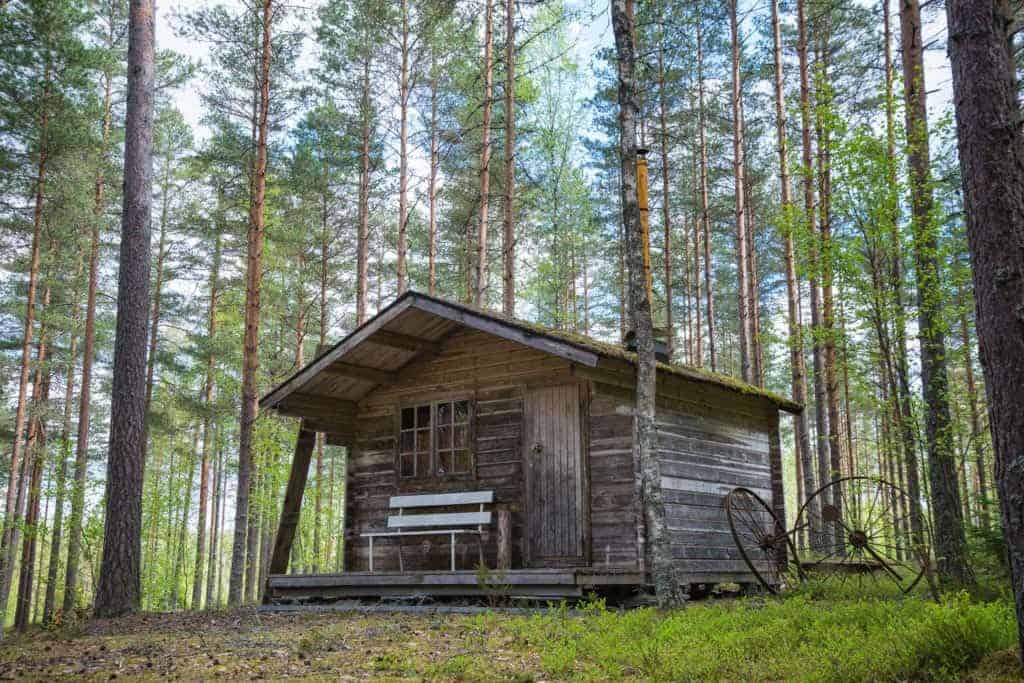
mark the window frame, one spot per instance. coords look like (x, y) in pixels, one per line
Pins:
(434, 455)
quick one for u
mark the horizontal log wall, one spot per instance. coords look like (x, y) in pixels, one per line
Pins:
(493, 373)
(710, 440)
(614, 513)
(702, 459)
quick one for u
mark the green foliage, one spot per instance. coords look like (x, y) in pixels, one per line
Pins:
(864, 639)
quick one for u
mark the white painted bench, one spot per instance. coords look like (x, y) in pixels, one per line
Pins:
(434, 523)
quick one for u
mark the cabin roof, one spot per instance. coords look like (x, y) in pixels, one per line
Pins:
(416, 324)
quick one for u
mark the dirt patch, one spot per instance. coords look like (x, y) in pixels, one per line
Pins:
(246, 645)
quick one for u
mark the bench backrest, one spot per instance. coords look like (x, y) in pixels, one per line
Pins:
(422, 520)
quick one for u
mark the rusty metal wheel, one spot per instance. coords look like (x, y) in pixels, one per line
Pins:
(864, 534)
(761, 539)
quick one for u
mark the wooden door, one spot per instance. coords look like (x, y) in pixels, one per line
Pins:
(553, 451)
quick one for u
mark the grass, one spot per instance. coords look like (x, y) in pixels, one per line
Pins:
(806, 637)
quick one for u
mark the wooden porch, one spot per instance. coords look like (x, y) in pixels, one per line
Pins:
(513, 583)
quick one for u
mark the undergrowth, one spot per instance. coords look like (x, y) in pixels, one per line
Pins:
(800, 638)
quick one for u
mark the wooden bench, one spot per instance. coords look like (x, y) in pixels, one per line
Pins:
(434, 523)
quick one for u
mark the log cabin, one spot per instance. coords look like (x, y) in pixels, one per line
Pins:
(476, 440)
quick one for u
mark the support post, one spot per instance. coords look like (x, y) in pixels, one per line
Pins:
(292, 504)
(504, 537)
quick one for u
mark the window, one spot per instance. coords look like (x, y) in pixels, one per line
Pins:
(433, 439)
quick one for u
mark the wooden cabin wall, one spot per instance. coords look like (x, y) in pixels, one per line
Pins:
(709, 440)
(491, 371)
(702, 459)
(614, 512)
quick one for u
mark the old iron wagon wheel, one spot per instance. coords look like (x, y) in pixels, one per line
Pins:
(762, 540)
(866, 523)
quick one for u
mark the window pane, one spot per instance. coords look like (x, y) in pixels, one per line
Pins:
(444, 438)
(461, 434)
(407, 415)
(422, 416)
(407, 442)
(462, 461)
(462, 411)
(444, 462)
(444, 413)
(406, 462)
(423, 464)
(422, 440)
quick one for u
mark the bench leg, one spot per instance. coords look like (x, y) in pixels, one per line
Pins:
(453, 552)
(371, 553)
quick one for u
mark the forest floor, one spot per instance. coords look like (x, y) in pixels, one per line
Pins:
(799, 638)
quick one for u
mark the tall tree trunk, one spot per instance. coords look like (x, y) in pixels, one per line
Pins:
(403, 152)
(705, 212)
(209, 385)
(950, 544)
(798, 370)
(821, 418)
(742, 263)
(992, 165)
(698, 326)
(250, 352)
(977, 435)
(53, 567)
(119, 589)
(666, 214)
(12, 514)
(186, 504)
(35, 452)
(508, 305)
(663, 570)
(432, 186)
(88, 354)
(826, 258)
(903, 405)
(212, 574)
(363, 239)
(480, 284)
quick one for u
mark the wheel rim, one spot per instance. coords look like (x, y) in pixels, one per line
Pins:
(864, 522)
(760, 538)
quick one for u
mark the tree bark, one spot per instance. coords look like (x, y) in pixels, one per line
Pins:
(12, 514)
(212, 574)
(403, 153)
(53, 567)
(119, 589)
(742, 263)
(35, 453)
(950, 544)
(480, 283)
(250, 362)
(826, 258)
(432, 186)
(821, 418)
(798, 370)
(508, 305)
(209, 385)
(705, 212)
(666, 214)
(977, 431)
(663, 570)
(363, 238)
(992, 164)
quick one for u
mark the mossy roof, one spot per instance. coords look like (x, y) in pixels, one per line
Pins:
(612, 350)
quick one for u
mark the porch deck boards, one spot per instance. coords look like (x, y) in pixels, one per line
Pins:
(538, 583)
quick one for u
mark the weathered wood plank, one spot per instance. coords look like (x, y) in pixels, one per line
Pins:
(442, 499)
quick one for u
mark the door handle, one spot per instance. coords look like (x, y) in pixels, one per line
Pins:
(537, 449)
